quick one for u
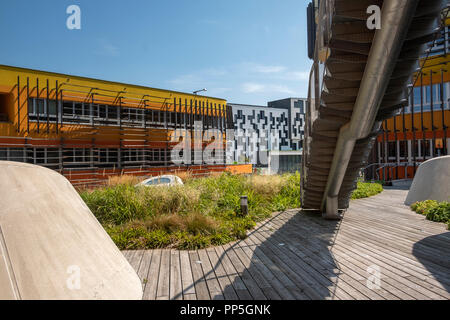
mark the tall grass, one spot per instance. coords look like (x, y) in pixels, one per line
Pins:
(200, 213)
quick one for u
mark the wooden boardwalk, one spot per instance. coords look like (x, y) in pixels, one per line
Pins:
(297, 255)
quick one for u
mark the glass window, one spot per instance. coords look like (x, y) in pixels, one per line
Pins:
(39, 156)
(103, 155)
(16, 154)
(3, 154)
(78, 109)
(427, 90)
(101, 111)
(40, 105)
(52, 156)
(112, 112)
(86, 109)
(416, 149)
(113, 155)
(392, 149)
(426, 148)
(403, 149)
(436, 93)
(163, 181)
(68, 107)
(52, 107)
(417, 96)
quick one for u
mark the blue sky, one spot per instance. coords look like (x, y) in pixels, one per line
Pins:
(247, 51)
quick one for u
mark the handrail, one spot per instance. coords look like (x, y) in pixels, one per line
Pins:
(391, 167)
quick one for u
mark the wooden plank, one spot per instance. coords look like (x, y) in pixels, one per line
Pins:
(314, 284)
(274, 283)
(215, 291)
(126, 254)
(393, 290)
(190, 297)
(291, 268)
(402, 284)
(246, 277)
(176, 287)
(153, 276)
(327, 276)
(348, 275)
(294, 286)
(201, 289)
(253, 268)
(400, 232)
(187, 281)
(224, 281)
(238, 285)
(163, 290)
(405, 267)
(135, 259)
(144, 267)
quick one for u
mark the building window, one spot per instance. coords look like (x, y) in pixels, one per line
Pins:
(299, 104)
(427, 91)
(13, 154)
(46, 156)
(36, 106)
(133, 157)
(108, 158)
(426, 151)
(416, 93)
(392, 149)
(77, 157)
(403, 149)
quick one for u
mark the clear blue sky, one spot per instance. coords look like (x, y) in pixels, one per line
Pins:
(246, 51)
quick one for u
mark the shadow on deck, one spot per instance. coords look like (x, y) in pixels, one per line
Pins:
(380, 250)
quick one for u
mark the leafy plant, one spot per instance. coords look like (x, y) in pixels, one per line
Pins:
(433, 210)
(367, 189)
(424, 206)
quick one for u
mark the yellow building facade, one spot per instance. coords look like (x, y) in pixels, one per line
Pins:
(91, 129)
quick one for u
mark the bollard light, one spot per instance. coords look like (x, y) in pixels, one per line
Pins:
(244, 206)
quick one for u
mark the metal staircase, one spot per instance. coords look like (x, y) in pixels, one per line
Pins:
(359, 78)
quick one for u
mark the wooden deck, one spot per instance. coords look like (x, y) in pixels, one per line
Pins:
(297, 255)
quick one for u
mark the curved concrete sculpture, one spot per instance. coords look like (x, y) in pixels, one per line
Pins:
(432, 181)
(51, 245)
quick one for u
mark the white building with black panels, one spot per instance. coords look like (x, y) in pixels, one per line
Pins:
(258, 129)
(296, 113)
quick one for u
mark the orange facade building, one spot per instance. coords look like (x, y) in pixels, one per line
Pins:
(421, 130)
(89, 130)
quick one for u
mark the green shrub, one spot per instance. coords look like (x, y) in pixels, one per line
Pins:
(367, 189)
(424, 206)
(434, 211)
(440, 213)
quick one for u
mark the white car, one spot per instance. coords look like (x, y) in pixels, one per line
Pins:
(161, 181)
